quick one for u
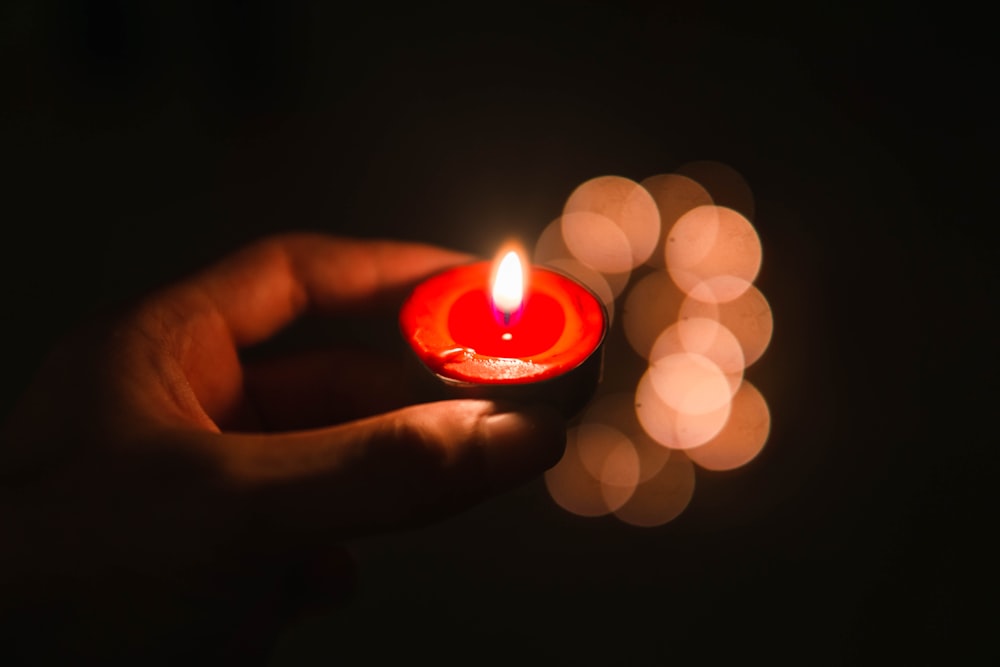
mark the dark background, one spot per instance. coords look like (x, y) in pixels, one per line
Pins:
(141, 140)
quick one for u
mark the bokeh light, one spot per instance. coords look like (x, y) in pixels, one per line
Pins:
(550, 244)
(618, 409)
(597, 241)
(748, 317)
(623, 203)
(706, 338)
(743, 436)
(653, 304)
(674, 195)
(713, 253)
(672, 427)
(689, 383)
(598, 472)
(662, 498)
(610, 458)
(551, 251)
(680, 253)
(572, 486)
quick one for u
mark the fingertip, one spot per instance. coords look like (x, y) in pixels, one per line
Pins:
(521, 442)
(401, 468)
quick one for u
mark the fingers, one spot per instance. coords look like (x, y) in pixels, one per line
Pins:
(266, 285)
(317, 388)
(402, 468)
(198, 324)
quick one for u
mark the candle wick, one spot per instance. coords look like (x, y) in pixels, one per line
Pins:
(506, 317)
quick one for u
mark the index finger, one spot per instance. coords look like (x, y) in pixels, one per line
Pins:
(263, 287)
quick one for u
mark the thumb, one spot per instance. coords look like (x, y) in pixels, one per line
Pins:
(401, 468)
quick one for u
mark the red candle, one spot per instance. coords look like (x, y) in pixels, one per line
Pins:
(499, 330)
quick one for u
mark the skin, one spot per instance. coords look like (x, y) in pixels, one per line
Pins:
(163, 498)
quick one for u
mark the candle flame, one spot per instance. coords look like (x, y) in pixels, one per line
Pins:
(508, 284)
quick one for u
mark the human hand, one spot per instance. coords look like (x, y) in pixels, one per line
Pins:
(153, 497)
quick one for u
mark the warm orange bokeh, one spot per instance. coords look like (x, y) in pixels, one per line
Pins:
(618, 410)
(607, 211)
(706, 338)
(651, 306)
(743, 436)
(713, 253)
(675, 428)
(696, 321)
(748, 317)
(674, 195)
(661, 499)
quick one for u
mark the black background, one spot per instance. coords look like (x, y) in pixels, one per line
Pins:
(141, 140)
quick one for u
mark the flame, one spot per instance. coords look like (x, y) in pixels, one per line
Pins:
(508, 283)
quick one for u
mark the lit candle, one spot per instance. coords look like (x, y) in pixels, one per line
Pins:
(507, 331)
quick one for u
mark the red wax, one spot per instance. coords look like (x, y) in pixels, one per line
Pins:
(452, 325)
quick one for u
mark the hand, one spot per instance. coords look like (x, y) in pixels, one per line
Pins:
(152, 497)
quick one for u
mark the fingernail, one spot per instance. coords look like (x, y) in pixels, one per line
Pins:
(522, 444)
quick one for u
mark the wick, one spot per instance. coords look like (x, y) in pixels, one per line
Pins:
(506, 318)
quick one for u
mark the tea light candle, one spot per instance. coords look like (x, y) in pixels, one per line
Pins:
(504, 330)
